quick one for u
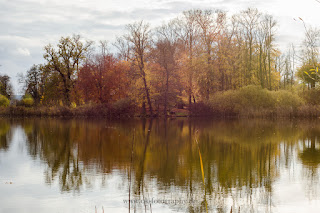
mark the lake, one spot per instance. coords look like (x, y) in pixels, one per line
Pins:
(178, 165)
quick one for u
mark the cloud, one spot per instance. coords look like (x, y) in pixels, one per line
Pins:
(23, 51)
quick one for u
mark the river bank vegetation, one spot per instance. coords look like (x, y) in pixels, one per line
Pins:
(204, 62)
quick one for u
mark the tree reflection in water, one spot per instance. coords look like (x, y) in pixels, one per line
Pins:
(5, 134)
(241, 159)
(310, 158)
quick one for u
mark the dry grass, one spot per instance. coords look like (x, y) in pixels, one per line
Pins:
(101, 110)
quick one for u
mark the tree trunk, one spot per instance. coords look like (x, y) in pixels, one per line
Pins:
(66, 91)
(166, 94)
(148, 95)
(143, 107)
(67, 96)
(269, 67)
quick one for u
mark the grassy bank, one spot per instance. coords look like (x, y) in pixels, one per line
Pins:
(102, 110)
(253, 101)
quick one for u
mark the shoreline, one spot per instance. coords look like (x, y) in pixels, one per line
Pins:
(100, 111)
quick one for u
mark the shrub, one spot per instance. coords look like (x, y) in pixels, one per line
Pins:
(123, 107)
(249, 97)
(200, 109)
(287, 99)
(255, 97)
(223, 102)
(4, 101)
(28, 101)
(73, 105)
(311, 96)
(255, 101)
(92, 110)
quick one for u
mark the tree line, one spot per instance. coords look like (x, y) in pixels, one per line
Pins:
(185, 61)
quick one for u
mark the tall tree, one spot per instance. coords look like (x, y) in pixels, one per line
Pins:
(309, 71)
(265, 39)
(139, 38)
(123, 47)
(34, 82)
(65, 61)
(310, 50)
(270, 25)
(5, 86)
(210, 24)
(248, 20)
(165, 54)
(187, 31)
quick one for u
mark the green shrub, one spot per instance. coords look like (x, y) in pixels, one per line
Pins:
(224, 101)
(255, 101)
(28, 101)
(311, 96)
(249, 97)
(287, 99)
(4, 101)
(255, 97)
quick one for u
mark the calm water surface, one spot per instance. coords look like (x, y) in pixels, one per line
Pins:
(55, 165)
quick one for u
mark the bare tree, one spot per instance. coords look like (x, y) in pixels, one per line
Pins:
(166, 50)
(123, 47)
(310, 49)
(211, 24)
(248, 20)
(186, 30)
(266, 37)
(139, 38)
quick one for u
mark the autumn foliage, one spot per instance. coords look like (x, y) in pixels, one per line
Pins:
(102, 80)
(186, 63)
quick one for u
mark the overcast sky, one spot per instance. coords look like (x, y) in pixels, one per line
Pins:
(26, 26)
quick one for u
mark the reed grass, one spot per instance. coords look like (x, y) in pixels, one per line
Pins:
(202, 171)
(131, 163)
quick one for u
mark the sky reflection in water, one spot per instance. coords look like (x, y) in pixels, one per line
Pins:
(54, 165)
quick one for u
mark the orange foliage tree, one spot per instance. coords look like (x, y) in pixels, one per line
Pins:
(103, 80)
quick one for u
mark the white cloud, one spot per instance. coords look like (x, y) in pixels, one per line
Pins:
(23, 51)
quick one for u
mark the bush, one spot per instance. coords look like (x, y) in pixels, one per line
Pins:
(224, 102)
(311, 96)
(4, 101)
(28, 101)
(200, 109)
(73, 105)
(249, 97)
(92, 110)
(286, 99)
(123, 107)
(255, 97)
(255, 101)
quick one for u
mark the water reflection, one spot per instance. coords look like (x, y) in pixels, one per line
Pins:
(5, 135)
(310, 154)
(243, 161)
